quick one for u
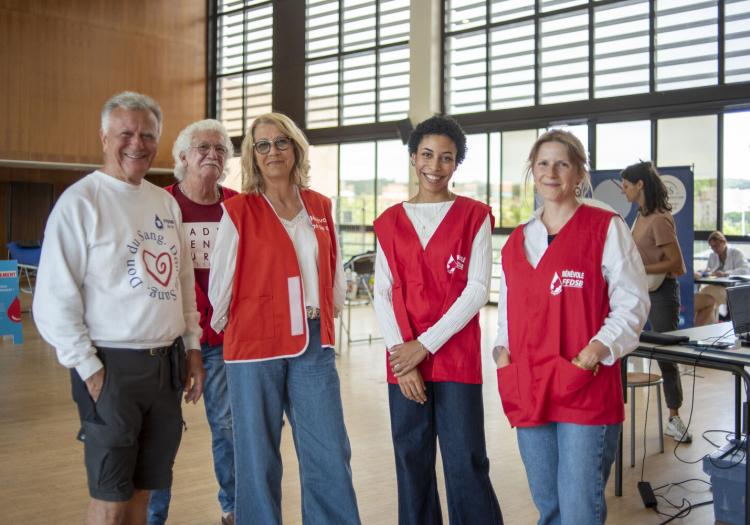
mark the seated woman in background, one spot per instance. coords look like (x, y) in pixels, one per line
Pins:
(722, 262)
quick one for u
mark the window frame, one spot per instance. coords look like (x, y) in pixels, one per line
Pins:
(354, 132)
(212, 57)
(715, 99)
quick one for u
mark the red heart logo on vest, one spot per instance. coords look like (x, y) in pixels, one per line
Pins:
(158, 266)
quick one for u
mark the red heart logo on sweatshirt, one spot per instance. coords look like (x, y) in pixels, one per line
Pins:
(158, 266)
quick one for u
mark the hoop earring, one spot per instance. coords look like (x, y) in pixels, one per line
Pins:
(414, 164)
(578, 192)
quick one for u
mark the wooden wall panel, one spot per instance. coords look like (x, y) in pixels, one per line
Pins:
(63, 58)
(4, 218)
(28, 195)
(30, 204)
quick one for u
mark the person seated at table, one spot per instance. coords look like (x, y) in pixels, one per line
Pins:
(723, 261)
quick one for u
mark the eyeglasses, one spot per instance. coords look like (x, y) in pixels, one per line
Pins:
(263, 147)
(204, 147)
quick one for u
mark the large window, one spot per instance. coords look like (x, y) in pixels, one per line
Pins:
(324, 170)
(357, 183)
(244, 58)
(357, 61)
(502, 54)
(686, 43)
(621, 49)
(736, 203)
(516, 197)
(620, 144)
(737, 40)
(666, 80)
(393, 174)
(692, 141)
(363, 179)
(470, 178)
(564, 57)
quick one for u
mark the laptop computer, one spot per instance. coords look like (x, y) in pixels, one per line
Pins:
(738, 299)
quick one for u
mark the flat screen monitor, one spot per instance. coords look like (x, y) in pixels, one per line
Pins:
(738, 298)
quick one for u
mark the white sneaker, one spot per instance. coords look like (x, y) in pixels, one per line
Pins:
(677, 429)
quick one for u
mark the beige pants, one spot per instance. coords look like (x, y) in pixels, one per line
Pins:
(709, 295)
(719, 293)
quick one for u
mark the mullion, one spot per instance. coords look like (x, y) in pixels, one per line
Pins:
(721, 33)
(487, 64)
(244, 74)
(377, 88)
(720, 171)
(591, 49)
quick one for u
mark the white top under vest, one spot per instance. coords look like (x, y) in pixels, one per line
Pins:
(622, 268)
(303, 238)
(426, 217)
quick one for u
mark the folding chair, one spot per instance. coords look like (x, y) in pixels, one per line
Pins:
(363, 265)
(27, 256)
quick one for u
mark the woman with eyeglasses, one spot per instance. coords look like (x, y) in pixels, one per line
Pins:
(723, 261)
(432, 275)
(655, 237)
(276, 283)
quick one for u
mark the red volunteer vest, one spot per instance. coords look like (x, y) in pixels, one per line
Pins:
(205, 309)
(267, 318)
(426, 282)
(553, 312)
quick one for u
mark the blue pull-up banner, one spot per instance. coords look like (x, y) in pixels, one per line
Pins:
(10, 305)
(679, 182)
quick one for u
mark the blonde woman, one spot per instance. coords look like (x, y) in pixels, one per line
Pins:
(276, 281)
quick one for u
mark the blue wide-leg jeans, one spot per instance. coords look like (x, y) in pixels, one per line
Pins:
(567, 466)
(307, 387)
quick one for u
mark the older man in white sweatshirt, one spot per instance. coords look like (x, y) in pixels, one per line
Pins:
(115, 297)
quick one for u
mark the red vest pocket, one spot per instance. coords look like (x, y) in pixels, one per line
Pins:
(255, 311)
(507, 385)
(571, 385)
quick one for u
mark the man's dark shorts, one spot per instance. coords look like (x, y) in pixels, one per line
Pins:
(132, 432)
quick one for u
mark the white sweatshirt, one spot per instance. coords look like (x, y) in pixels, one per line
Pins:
(114, 272)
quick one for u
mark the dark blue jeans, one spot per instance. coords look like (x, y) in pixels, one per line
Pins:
(454, 416)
